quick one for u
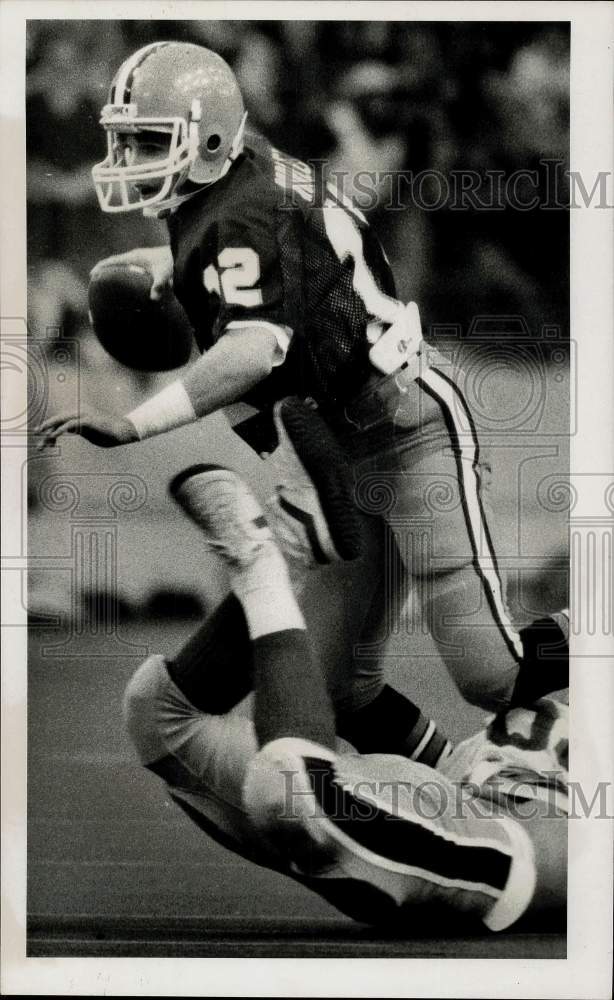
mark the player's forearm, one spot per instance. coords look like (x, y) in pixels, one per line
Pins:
(230, 369)
(233, 366)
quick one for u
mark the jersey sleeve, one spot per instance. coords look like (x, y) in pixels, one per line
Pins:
(249, 279)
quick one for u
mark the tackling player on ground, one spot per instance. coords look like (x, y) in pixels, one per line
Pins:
(381, 837)
(289, 292)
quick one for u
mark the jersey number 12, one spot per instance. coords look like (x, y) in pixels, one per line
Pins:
(237, 273)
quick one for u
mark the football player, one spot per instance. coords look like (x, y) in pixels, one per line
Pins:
(289, 292)
(381, 837)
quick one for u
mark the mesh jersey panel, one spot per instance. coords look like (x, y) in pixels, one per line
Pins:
(329, 356)
(335, 320)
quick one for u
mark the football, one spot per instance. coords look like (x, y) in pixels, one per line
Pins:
(143, 334)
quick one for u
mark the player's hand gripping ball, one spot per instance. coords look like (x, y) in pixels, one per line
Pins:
(142, 333)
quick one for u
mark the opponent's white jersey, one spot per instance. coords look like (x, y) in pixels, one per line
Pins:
(522, 754)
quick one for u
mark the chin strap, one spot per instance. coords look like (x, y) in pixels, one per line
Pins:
(169, 205)
(237, 143)
(235, 150)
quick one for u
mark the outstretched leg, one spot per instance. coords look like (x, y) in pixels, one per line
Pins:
(288, 700)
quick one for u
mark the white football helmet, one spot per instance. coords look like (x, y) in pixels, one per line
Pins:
(181, 90)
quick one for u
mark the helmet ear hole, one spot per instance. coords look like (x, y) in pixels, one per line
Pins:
(214, 142)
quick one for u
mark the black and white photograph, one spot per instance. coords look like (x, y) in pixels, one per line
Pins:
(308, 504)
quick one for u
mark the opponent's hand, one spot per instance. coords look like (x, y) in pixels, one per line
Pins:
(158, 261)
(102, 429)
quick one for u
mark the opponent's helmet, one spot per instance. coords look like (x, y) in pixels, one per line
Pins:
(180, 89)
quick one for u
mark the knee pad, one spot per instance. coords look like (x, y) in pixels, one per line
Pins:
(142, 703)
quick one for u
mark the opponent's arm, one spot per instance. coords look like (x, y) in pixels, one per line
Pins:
(234, 365)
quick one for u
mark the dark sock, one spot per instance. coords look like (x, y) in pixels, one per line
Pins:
(214, 670)
(391, 723)
(545, 662)
(291, 697)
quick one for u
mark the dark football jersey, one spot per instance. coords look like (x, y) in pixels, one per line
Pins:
(271, 243)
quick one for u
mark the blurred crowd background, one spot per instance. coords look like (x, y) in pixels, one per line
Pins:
(376, 95)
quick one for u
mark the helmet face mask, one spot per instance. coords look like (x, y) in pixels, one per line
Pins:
(183, 91)
(117, 181)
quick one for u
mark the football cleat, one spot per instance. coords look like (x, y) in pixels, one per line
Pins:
(545, 662)
(226, 511)
(522, 754)
(332, 818)
(314, 510)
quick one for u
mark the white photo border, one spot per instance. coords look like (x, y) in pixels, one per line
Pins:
(586, 971)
